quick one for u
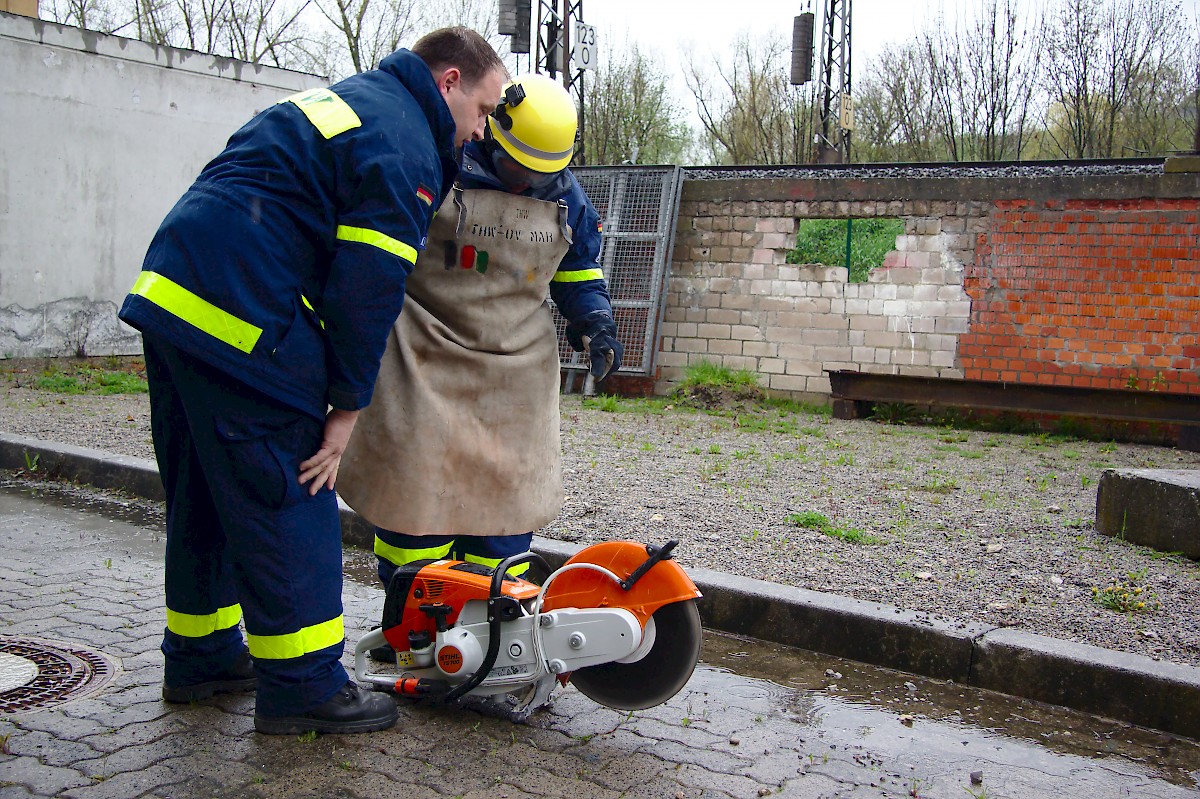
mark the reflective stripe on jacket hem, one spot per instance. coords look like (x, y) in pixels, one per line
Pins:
(196, 311)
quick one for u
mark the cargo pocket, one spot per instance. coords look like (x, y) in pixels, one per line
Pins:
(264, 453)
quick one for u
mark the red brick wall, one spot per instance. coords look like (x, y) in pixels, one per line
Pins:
(1095, 294)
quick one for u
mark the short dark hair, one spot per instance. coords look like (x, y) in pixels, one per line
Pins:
(462, 48)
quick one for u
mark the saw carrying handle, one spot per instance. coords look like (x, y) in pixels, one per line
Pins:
(652, 579)
(498, 604)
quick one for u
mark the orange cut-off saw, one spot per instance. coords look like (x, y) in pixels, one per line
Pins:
(618, 621)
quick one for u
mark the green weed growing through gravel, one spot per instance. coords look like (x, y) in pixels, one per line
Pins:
(819, 522)
(1127, 597)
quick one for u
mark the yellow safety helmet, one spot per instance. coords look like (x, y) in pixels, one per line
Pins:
(536, 123)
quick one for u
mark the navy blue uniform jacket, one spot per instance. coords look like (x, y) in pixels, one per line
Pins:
(284, 264)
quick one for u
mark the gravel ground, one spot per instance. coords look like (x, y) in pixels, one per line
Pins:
(988, 527)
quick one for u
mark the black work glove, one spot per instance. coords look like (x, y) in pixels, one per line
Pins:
(596, 332)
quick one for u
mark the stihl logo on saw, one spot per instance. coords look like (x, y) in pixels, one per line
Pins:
(450, 660)
(618, 621)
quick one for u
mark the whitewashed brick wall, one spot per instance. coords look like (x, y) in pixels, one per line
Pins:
(732, 299)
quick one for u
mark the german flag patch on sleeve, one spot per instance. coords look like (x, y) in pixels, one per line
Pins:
(425, 195)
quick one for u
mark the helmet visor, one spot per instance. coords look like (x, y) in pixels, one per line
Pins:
(517, 176)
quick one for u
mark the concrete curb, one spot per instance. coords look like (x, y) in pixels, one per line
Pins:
(1132, 688)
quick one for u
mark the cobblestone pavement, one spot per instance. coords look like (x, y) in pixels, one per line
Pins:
(754, 721)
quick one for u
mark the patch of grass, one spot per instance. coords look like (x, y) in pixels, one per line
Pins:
(603, 402)
(823, 241)
(610, 403)
(86, 378)
(819, 522)
(893, 413)
(940, 486)
(709, 374)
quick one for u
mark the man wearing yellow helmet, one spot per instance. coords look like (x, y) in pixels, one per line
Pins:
(458, 455)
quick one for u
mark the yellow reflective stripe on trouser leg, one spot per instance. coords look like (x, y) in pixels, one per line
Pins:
(376, 239)
(328, 113)
(196, 311)
(577, 275)
(492, 563)
(301, 642)
(190, 625)
(398, 556)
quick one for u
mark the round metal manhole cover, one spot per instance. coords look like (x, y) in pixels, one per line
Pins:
(36, 674)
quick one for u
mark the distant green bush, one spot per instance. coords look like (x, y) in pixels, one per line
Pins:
(823, 241)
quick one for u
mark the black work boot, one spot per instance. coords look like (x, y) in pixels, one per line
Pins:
(238, 677)
(350, 710)
(383, 654)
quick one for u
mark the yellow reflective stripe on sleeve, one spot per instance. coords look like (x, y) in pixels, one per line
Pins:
(577, 275)
(492, 563)
(329, 113)
(196, 311)
(398, 556)
(191, 626)
(297, 644)
(376, 239)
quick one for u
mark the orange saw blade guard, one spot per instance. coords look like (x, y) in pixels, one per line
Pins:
(664, 583)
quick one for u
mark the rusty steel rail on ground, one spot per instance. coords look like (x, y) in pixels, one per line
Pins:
(854, 392)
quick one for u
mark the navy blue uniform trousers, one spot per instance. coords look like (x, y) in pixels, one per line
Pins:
(244, 538)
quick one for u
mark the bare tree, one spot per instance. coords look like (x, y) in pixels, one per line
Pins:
(978, 71)
(157, 21)
(267, 30)
(204, 22)
(630, 113)
(749, 112)
(1109, 63)
(105, 16)
(894, 108)
(370, 29)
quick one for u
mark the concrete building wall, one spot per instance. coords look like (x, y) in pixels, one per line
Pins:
(99, 136)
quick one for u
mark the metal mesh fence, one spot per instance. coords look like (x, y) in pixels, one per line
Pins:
(638, 206)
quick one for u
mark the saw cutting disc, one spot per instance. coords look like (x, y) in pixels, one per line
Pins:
(660, 674)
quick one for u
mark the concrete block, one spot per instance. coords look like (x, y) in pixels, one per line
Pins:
(1165, 696)
(787, 383)
(708, 330)
(724, 347)
(1158, 508)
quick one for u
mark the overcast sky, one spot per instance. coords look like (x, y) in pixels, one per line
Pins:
(667, 27)
(710, 24)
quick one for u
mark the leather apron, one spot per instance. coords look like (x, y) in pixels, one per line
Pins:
(462, 433)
